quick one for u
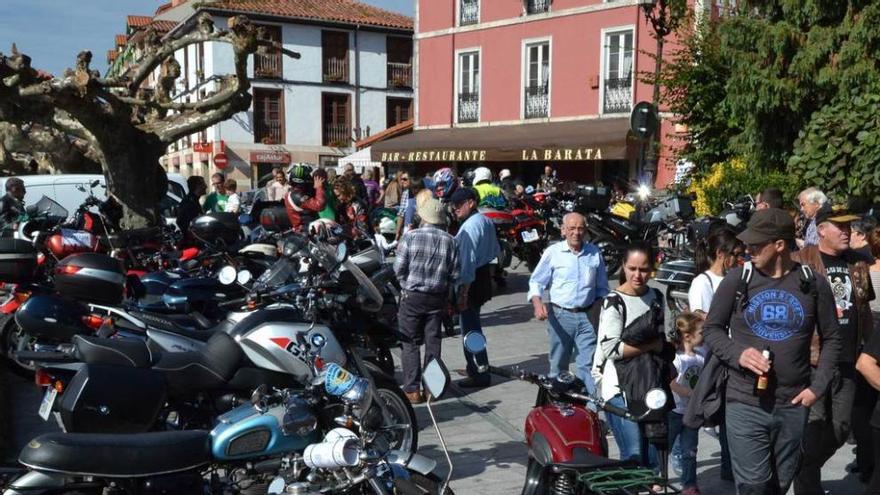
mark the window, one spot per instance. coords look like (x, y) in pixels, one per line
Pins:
(268, 66)
(200, 62)
(618, 78)
(399, 61)
(399, 110)
(468, 12)
(537, 6)
(537, 80)
(185, 68)
(268, 116)
(337, 125)
(334, 46)
(469, 87)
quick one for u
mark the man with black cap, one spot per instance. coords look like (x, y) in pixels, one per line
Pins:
(427, 267)
(770, 307)
(477, 247)
(830, 418)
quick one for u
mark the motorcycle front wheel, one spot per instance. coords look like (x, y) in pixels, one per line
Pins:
(398, 412)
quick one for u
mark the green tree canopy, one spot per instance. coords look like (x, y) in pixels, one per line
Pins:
(788, 85)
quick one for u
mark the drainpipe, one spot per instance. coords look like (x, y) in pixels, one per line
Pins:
(357, 77)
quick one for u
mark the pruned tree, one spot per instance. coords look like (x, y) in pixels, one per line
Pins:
(117, 124)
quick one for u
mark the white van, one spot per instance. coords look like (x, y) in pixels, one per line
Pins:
(71, 190)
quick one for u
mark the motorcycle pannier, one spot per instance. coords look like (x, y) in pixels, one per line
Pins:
(51, 318)
(18, 260)
(112, 399)
(594, 198)
(91, 277)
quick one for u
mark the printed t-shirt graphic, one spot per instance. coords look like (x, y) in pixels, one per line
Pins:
(774, 314)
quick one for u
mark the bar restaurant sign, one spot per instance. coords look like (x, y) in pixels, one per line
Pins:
(483, 155)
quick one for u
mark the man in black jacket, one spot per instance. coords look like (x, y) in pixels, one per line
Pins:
(776, 313)
(189, 208)
(12, 206)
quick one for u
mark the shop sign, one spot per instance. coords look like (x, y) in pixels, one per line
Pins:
(561, 154)
(270, 157)
(203, 147)
(435, 155)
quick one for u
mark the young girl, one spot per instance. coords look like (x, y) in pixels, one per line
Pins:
(688, 365)
(233, 202)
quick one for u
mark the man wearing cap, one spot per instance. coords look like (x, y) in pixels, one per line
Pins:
(427, 266)
(477, 247)
(776, 309)
(847, 273)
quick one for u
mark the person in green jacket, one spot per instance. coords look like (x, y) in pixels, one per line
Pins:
(216, 201)
(329, 211)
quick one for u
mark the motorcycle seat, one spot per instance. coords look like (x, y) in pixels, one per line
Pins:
(119, 352)
(175, 324)
(584, 459)
(118, 455)
(210, 368)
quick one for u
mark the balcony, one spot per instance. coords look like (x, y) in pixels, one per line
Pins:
(399, 75)
(267, 66)
(267, 132)
(537, 6)
(337, 135)
(469, 12)
(335, 69)
(468, 107)
(537, 104)
(618, 95)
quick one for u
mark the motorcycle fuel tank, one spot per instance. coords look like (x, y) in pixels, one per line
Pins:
(245, 432)
(562, 430)
(271, 339)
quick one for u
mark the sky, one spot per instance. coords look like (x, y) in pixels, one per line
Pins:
(52, 32)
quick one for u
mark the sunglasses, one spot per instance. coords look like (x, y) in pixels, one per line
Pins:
(404, 179)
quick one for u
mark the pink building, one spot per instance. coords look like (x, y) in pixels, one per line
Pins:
(520, 84)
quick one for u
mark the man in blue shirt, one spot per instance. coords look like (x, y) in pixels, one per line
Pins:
(477, 247)
(574, 272)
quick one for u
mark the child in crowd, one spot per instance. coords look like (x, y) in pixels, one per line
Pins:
(688, 365)
(233, 202)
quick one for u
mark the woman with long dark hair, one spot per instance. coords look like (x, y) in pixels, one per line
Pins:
(714, 256)
(632, 355)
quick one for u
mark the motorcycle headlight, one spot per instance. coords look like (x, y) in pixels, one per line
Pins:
(360, 395)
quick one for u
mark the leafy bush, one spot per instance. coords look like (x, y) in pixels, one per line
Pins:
(733, 179)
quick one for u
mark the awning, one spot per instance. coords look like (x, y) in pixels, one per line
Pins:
(597, 139)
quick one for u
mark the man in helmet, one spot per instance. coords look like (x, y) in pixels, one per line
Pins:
(306, 197)
(490, 194)
(444, 183)
(506, 182)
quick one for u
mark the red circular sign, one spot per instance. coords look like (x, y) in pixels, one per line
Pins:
(220, 161)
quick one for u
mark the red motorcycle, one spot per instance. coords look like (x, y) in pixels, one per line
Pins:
(520, 233)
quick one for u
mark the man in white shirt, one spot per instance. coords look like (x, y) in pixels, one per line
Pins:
(574, 272)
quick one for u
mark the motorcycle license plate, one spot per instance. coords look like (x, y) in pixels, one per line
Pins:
(530, 235)
(48, 402)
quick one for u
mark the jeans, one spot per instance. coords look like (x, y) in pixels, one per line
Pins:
(470, 322)
(571, 333)
(687, 442)
(765, 446)
(626, 432)
(827, 430)
(419, 317)
(874, 484)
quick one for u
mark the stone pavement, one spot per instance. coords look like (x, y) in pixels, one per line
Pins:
(484, 428)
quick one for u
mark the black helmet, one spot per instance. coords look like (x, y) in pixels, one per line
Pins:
(467, 178)
(300, 174)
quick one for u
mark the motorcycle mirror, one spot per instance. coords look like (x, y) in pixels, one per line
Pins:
(475, 342)
(244, 277)
(341, 252)
(95, 183)
(227, 275)
(435, 378)
(257, 397)
(80, 188)
(655, 399)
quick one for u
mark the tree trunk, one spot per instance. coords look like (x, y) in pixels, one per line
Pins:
(134, 177)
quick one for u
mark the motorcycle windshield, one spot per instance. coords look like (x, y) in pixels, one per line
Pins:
(277, 275)
(48, 208)
(372, 298)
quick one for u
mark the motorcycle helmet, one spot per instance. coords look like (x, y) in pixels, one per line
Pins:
(387, 226)
(444, 183)
(482, 174)
(467, 178)
(300, 174)
(504, 174)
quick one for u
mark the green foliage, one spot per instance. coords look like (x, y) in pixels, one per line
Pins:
(730, 180)
(786, 85)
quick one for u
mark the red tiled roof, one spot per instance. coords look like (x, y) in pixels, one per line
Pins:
(163, 26)
(138, 20)
(111, 56)
(121, 39)
(343, 11)
(163, 8)
(404, 127)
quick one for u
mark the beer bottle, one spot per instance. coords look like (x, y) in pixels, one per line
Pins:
(764, 378)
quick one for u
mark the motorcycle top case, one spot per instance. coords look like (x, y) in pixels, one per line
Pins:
(593, 198)
(112, 399)
(18, 261)
(216, 227)
(91, 277)
(52, 318)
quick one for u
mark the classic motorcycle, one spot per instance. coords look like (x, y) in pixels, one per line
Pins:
(328, 436)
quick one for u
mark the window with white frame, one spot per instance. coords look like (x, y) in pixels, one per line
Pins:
(468, 12)
(469, 87)
(618, 77)
(537, 80)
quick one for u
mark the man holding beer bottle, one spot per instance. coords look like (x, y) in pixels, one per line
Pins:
(771, 304)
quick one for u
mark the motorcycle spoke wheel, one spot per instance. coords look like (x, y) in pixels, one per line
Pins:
(398, 411)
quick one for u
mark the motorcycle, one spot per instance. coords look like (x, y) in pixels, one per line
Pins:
(520, 233)
(327, 436)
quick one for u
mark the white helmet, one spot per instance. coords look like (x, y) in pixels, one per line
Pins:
(387, 226)
(482, 174)
(504, 174)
